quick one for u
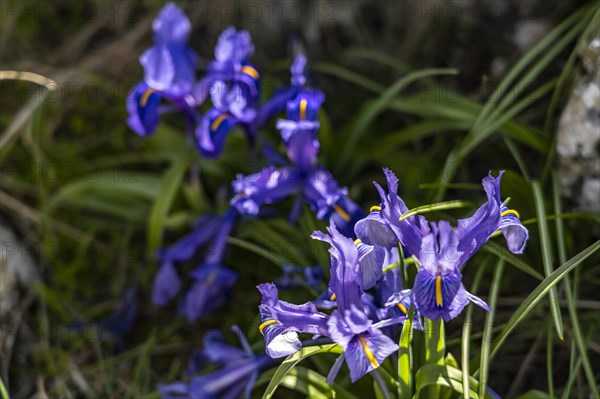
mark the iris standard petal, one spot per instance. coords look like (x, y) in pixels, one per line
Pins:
(374, 230)
(171, 25)
(344, 268)
(159, 67)
(371, 261)
(297, 70)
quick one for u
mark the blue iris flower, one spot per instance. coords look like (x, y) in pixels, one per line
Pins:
(441, 250)
(303, 177)
(233, 84)
(169, 73)
(240, 369)
(211, 280)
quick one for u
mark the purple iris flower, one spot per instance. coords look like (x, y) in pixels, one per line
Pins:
(240, 369)
(303, 177)
(234, 88)
(365, 346)
(169, 73)
(282, 321)
(210, 280)
(442, 250)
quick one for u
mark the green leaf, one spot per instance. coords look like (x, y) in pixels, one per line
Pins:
(348, 75)
(170, 184)
(570, 296)
(511, 258)
(405, 357)
(434, 374)
(487, 329)
(292, 360)
(313, 384)
(372, 110)
(539, 292)
(547, 255)
(436, 207)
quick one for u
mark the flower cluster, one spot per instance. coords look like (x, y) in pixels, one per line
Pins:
(232, 84)
(358, 322)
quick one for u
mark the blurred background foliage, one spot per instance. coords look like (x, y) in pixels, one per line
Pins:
(91, 201)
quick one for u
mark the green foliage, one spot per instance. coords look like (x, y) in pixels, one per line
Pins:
(128, 196)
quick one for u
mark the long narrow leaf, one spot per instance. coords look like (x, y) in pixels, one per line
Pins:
(293, 360)
(547, 255)
(539, 292)
(487, 328)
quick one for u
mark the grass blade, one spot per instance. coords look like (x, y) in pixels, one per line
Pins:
(170, 184)
(501, 252)
(571, 298)
(380, 104)
(466, 333)
(293, 360)
(539, 292)
(487, 328)
(405, 358)
(547, 255)
(451, 377)
(436, 207)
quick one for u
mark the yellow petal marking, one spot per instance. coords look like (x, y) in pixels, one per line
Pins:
(375, 208)
(402, 308)
(357, 241)
(146, 96)
(368, 352)
(217, 122)
(303, 105)
(438, 291)
(265, 324)
(332, 297)
(342, 213)
(250, 71)
(510, 212)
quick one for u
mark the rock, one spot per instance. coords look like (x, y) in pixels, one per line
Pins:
(578, 144)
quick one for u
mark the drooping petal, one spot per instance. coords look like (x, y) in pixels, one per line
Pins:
(514, 232)
(367, 351)
(214, 128)
(438, 296)
(142, 108)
